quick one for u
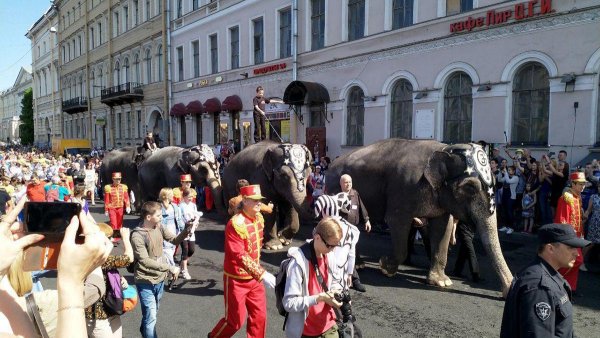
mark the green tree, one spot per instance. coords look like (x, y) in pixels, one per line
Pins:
(26, 126)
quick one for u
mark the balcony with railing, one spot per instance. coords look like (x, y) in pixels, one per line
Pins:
(121, 94)
(75, 105)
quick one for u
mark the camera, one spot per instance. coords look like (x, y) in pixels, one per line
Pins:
(550, 154)
(346, 309)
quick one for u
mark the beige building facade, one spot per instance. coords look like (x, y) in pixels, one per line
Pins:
(10, 107)
(47, 109)
(112, 77)
(525, 72)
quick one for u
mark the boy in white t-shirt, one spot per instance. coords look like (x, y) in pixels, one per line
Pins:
(188, 246)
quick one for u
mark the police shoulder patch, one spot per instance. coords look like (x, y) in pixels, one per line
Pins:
(542, 310)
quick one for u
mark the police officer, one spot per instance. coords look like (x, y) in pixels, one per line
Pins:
(539, 301)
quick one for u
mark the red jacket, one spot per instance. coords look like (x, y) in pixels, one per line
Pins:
(568, 211)
(115, 197)
(243, 241)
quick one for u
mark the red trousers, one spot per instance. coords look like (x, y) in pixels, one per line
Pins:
(241, 296)
(571, 274)
(116, 218)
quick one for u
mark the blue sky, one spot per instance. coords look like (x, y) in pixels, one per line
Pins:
(16, 17)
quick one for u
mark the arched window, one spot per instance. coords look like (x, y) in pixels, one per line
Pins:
(458, 108)
(159, 63)
(531, 104)
(81, 86)
(125, 70)
(93, 84)
(402, 110)
(100, 79)
(136, 68)
(148, 61)
(355, 121)
(117, 74)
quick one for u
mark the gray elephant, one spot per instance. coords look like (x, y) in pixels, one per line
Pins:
(165, 166)
(282, 171)
(124, 160)
(402, 179)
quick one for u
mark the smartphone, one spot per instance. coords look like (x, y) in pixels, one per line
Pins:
(550, 154)
(51, 220)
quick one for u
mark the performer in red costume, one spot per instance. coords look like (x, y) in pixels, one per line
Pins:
(243, 274)
(116, 198)
(568, 211)
(186, 182)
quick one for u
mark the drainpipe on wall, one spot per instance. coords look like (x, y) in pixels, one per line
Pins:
(293, 123)
(167, 69)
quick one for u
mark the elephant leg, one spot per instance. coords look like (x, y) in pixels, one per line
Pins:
(440, 230)
(399, 231)
(291, 225)
(271, 241)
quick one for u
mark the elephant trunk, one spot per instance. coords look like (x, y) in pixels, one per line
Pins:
(302, 205)
(217, 190)
(488, 230)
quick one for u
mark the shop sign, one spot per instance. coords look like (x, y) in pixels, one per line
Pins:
(203, 83)
(276, 107)
(100, 121)
(269, 69)
(492, 17)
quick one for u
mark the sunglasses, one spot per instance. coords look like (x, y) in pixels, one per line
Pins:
(327, 245)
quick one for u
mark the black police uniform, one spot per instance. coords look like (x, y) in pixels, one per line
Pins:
(538, 304)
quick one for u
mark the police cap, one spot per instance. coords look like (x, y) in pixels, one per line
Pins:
(561, 233)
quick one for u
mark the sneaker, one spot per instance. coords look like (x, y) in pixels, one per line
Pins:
(186, 275)
(509, 231)
(503, 229)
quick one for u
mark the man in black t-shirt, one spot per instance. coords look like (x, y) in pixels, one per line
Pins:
(4, 201)
(259, 101)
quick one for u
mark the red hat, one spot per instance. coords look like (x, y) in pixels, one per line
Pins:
(577, 176)
(116, 175)
(185, 178)
(251, 191)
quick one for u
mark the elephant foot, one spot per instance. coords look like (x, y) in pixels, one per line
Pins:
(437, 279)
(388, 268)
(273, 244)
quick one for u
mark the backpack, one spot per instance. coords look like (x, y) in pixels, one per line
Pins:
(113, 299)
(52, 194)
(281, 279)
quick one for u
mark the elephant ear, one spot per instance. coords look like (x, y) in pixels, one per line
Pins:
(268, 164)
(181, 162)
(436, 170)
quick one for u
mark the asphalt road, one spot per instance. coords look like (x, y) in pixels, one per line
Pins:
(401, 306)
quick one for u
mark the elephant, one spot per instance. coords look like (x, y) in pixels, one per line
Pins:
(165, 166)
(124, 160)
(282, 171)
(399, 180)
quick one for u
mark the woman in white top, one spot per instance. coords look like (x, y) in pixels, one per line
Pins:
(90, 181)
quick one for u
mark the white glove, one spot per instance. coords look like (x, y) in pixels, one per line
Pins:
(175, 270)
(128, 209)
(268, 280)
(106, 213)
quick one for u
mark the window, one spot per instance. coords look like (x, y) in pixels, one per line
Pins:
(100, 80)
(126, 71)
(116, 23)
(234, 33)
(317, 24)
(317, 115)
(196, 57)
(92, 38)
(136, 69)
(117, 74)
(198, 129)
(136, 12)
(214, 54)
(257, 40)
(92, 84)
(147, 9)
(128, 125)
(179, 63)
(356, 19)
(458, 6)
(531, 105)
(100, 33)
(64, 54)
(458, 108)
(139, 123)
(179, 8)
(148, 61)
(194, 5)
(402, 110)
(182, 130)
(80, 44)
(159, 61)
(402, 13)
(285, 33)
(355, 121)
(125, 18)
(118, 127)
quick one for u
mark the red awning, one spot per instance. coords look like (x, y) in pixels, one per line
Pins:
(195, 108)
(212, 105)
(178, 110)
(232, 103)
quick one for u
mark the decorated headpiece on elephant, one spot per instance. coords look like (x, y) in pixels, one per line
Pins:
(402, 179)
(166, 165)
(282, 171)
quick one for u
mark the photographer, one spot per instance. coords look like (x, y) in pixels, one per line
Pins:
(308, 298)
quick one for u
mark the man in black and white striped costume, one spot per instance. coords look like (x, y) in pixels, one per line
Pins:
(345, 253)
